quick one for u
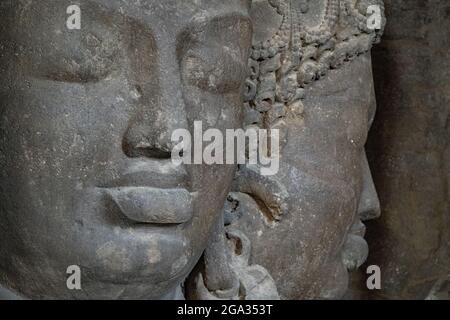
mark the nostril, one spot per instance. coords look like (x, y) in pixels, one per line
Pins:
(135, 144)
(145, 150)
(157, 153)
(136, 92)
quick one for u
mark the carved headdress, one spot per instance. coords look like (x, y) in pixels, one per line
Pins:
(313, 37)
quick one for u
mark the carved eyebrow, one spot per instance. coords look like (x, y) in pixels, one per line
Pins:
(200, 20)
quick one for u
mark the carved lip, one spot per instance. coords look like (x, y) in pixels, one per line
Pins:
(153, 205)
(152, 191)
(150, 173)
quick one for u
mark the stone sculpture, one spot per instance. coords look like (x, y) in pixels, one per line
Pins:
(304, 225)
(85, 151)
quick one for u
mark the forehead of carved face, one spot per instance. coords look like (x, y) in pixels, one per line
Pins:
(86, 121)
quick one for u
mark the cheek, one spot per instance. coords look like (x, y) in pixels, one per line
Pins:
(220, 112)
(323, 207)
(212, 183)
(329, 142)
(335, 282)
(68, 136)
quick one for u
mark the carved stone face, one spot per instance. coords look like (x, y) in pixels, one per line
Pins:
(305, 225)
(86, 121)
(325, 172)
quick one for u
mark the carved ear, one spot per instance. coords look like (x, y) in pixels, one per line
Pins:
(270, 194)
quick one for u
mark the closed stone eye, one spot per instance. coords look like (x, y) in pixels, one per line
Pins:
(90, 58)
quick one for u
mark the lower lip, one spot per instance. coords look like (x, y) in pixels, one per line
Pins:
(153, 205)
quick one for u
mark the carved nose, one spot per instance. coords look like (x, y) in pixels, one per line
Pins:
(147, 140)
(369, 204)
(149, 133)
(160, 110)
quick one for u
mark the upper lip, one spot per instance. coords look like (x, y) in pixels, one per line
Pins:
(161, 174)
(152, 191)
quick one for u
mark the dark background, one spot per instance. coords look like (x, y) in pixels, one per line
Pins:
(409, 153)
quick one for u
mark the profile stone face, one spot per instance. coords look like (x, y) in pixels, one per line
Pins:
(311, 78)
(86, 118)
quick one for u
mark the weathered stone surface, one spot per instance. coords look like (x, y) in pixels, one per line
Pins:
(86, 178)
(304, 223)
(86, 118)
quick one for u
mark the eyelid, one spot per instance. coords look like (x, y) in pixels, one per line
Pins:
(86, 70)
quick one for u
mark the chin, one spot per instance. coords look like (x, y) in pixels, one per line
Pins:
(93, 287)
(336, 285)
(132, 291)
